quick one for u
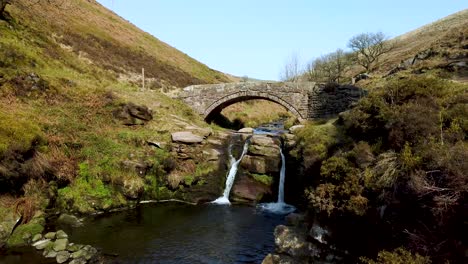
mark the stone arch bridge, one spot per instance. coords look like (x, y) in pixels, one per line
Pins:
(306, 100)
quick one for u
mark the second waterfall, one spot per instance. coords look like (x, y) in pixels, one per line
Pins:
(232, 175)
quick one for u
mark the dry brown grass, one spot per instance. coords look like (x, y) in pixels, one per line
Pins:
(100, 33)
(445, 35)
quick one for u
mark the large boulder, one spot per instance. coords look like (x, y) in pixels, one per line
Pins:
(293, 242)
(133, 187)
(247, 190)
(69, 220)
(261, 165)
(212, 154)
(262, 145)
(264, 141)
(246, 130)
(8, 220)
(131, 114)
(265, 151)
(186, 137)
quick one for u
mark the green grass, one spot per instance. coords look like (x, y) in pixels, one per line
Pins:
(17, 131)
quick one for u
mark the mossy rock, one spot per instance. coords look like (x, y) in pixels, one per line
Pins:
(262, 178)
(24, 233)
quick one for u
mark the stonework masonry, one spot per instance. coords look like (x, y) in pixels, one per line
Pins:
(306, 100)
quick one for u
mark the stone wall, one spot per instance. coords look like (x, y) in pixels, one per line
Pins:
(329, 100)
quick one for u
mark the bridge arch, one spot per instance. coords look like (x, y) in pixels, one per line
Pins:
(217, 106)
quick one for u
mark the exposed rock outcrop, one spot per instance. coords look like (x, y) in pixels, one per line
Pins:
(131, 114)
(259, 166)
(263, 156)
(186, 137)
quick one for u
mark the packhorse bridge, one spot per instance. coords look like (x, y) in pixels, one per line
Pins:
(306, 100)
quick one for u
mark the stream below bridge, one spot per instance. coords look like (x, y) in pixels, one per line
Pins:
(172, 233)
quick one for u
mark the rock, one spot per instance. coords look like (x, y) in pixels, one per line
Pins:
(22, 234)
(79, 254)
(78, 261)
(215, 142)
(289, 140)
(133, 187)
(60, 244)
(8, 220)
(279, 259)
(74, 247)
(248, 190)
(62, 256)
(260, 165)
(272, 151)
(50, 235)
(70, 220)
(61, 234)
(261, 145)
(160, 145)
(361, 76)
(141, 168)
(90, 252)
(26, 236)
(186, 137)
(319, 233)
(264, 141)
(212, 154)
(293, 242)
(295, 129)
(203, 132)
(246, 130)
(36, 238)
(131, 114)
(41, 244)
(49, 253)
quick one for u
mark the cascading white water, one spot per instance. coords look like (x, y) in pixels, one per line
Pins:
(280, 207)
(232, 175)
(282, 175)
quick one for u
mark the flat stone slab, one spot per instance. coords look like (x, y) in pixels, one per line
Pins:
(246, 130)
(41, 244)
(295, 128)
(186, 137)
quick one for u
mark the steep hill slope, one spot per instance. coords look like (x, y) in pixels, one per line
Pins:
(438, 45)
(74, 121)
(100, 36)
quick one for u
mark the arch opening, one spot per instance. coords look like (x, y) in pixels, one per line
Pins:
(216, 107)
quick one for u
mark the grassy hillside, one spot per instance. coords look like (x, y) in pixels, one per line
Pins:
(437, 45)
(102, 38)
(66, 75)
(448, 34)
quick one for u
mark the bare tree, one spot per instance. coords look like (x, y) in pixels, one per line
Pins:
(368, 48)
(292, 69)
(328, 68)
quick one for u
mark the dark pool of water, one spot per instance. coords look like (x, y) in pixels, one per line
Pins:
(175, 233)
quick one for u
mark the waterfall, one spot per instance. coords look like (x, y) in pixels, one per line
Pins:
(280, 207)
(232, 175)
(282, 176)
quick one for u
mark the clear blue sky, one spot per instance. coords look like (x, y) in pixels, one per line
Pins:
(256, 37)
